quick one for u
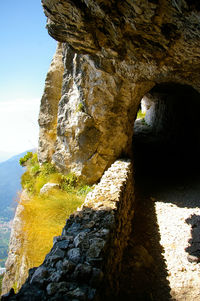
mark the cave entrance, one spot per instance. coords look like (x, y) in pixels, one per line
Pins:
(160, 262)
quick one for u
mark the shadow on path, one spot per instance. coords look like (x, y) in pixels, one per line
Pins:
(144, 270)
(169, 173)
(194, 247)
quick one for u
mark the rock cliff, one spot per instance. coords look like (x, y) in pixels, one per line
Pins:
(110, 55)
(49, 107)
(114, 53)
(16, 264)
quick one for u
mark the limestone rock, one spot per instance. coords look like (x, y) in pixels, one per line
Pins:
(94, 125)
(47, 187)
(114, 52)
(16, 265)
(137, 39)
(49, 106)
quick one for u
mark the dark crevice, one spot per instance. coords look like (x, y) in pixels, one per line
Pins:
(47, 9)
(193, 4)
(169, 30)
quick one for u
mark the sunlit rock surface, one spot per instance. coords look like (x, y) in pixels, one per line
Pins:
(114, 53)
(49, 107)
(16, 264)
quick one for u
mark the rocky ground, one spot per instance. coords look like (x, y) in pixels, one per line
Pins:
(180, 237)
(162, 260)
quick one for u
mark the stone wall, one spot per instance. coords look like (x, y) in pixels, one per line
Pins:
(85, 261)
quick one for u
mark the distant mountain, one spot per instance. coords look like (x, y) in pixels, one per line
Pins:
(10, 177)
(5, 156)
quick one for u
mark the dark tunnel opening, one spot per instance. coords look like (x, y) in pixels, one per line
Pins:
(166, 142)
(166, 145)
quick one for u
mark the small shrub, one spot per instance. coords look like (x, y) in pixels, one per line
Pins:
(23, 161)
(71, 179)
(48, 168)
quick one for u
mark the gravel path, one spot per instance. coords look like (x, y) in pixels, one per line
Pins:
(180, 236)
(166, 230)
(162, 260)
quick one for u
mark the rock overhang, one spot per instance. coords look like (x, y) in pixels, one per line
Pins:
(139, 40)
(114, 52)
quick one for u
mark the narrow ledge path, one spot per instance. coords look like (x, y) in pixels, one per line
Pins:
(161, 261)
(176, 226)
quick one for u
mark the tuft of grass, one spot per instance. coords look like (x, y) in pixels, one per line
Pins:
(44, 215)
(84, 189)
(43, 218)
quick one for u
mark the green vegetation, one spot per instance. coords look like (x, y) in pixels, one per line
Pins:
(37, 176)
(44, 215)
(140, 115)
(1, 278)
(23, 160)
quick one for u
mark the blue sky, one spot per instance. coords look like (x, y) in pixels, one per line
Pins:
(25, 55)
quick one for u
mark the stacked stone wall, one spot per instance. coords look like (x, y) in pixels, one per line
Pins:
(85, 260)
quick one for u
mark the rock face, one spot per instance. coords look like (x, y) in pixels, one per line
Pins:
(16, 265)
(85, 261)
(111, 54)
(47, 187)
(114, 53)
(49, 107)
